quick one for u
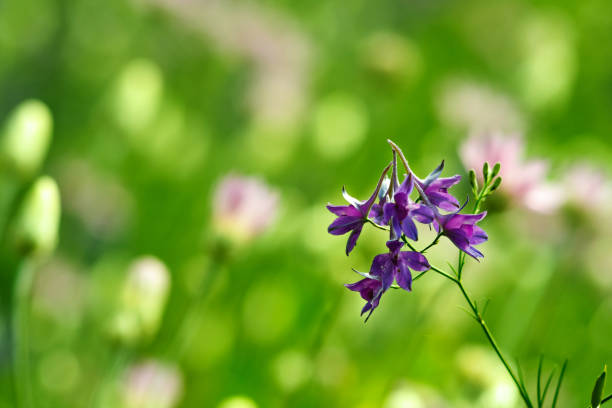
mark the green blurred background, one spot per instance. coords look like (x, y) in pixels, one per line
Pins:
(154, 102)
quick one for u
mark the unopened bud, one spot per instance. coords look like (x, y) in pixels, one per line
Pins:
(496, 169)
(143, 299)
(496, 184)
(485, 172)
(37, 223)
(26, 138)
(473, 181)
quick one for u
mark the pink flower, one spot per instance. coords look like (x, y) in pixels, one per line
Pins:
(524, 181)
(152, 384)
(587, 186)
(243, 207)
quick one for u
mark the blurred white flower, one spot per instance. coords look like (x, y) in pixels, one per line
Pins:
(243, 207)
(524, 181)
(152, 384)
(143, 298)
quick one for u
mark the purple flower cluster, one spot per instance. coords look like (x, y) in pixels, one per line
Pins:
(397, 211)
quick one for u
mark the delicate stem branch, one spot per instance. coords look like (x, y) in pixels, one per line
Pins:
(608, 398)
(434, 242)
(487, 332)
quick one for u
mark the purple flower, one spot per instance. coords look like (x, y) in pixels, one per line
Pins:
(394, 265)
(352, 217)
(403, 210)
(462, 231)
(436, 189)
(370, 290)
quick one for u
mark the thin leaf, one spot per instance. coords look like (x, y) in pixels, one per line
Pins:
(539, 389)
(522, 381)
(550, 377)
(554, 403)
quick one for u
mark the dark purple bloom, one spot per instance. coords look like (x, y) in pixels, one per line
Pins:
(462, 231)
(403, 210)
(436, 189)
(352, 217)
(370, 290)
(394, 265)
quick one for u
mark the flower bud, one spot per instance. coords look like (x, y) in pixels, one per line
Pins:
(143, 299)
(473, 181)
(25, 139)
(37, 223)
(496, 184)
(598, 390)
(485, 172)
(496, 169)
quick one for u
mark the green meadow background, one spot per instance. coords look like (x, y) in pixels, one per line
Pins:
(153, 102)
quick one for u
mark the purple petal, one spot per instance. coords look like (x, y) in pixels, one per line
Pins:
(406, 186)
(478, 236)
(404, 277)
(414, 260)
(443, 200)
(342, 225)
(422, 213)
(382, 266)
(344, 210)
(458, 238)
(394, 245)
(410, 229)
(456, 220)
(444, 183)
(352, 240)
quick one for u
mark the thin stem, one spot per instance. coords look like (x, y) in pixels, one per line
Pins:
(21, 334)
(608, 398)
(486, 331)
(434, 242)
(377, 226)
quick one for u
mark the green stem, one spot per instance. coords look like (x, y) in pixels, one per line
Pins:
(487, 332)
(434, 242)
(608, 398)
(21, 336)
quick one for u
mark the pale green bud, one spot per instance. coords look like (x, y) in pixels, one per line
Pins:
(143, 299)
(473, 181)
(25, 139)
(37, 224)
(485, 172)
(496, 169)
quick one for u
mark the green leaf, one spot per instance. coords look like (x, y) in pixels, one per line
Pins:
(554, 403)
(598, 389)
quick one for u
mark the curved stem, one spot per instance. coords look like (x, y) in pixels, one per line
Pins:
(487, 332)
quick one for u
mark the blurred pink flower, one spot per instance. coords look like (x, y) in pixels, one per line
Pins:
(152, 384)
(587, 186)
(244, 207)
(524, 181)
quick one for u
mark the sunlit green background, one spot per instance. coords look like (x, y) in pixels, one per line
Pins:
(153, 102)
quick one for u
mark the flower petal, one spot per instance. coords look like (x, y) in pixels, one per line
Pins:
(343, 210)
(414, 260)
(422, 213)
(404, 277)
(410, 229)
(342, 225)
(352, 240)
